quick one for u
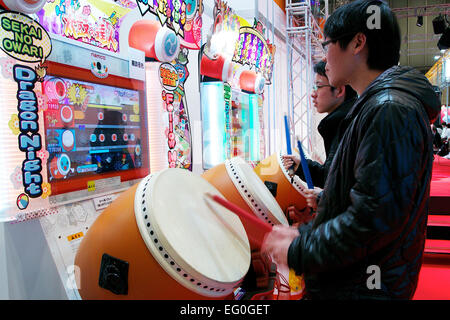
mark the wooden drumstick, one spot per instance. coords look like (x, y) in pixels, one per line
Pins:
(241, 212)
(227, 225)
(253, 221)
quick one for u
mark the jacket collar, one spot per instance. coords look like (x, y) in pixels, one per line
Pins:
(405, 79)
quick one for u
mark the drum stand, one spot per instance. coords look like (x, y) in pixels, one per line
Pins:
(260, 281)
(298, 217)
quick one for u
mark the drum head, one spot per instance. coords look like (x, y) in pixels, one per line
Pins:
(198, 242)
(254, 192)
(296, 182)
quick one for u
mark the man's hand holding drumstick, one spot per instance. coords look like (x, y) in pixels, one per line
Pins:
(310, 194)
(276, 244)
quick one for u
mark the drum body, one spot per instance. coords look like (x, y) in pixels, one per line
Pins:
(171, 241)
(25, 6)
(219, 68)
(238, 183)
(273, 174)
(160, 43)
(250, 81)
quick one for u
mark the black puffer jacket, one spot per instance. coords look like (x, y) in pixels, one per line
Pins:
(374, 207)
(328, 129)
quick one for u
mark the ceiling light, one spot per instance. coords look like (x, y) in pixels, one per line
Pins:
(444, 41)
(419, 21)
(439, 24)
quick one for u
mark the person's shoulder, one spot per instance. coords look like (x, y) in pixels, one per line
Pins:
(392, 100)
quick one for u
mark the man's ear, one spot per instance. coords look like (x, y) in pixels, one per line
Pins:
(359, 42)
(340, 92)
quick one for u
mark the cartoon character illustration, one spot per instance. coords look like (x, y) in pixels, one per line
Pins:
(113, 18)
(259, 27)
(252, 50)
(183, 56)
(191, 8)
(75, 4)
(162, 5)
(99, 70)
(183, 14)
(60, 167)
(60, 9)
(41, 72)
(176, 11)
(238, 49)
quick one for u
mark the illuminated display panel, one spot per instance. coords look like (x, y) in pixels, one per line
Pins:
(214, 124)
(231, 124)
(94, 128)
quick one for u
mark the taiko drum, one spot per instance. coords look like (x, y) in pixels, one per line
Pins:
(287, 191)
(162, 239)
(239, 184)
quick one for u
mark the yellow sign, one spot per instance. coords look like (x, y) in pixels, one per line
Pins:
(75, 236)
(91, 185)
(134, 118)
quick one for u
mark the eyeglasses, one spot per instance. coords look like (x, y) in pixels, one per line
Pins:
(317, 87)
(326, 43)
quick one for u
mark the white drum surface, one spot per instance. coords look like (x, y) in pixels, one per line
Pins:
(68, 139)
(197, 241)
(251, 188)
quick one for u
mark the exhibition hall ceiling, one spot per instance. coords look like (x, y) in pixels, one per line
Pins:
(419, 42)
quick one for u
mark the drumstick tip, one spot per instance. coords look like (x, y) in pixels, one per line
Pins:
(208, 195)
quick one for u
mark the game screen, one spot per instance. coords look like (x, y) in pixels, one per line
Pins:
(90, 129)
(232, 124)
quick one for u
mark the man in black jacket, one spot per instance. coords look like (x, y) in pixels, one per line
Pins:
(367, 239)
(336, 102)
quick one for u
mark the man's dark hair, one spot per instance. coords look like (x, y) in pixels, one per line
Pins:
(383, 43)
(319, 68)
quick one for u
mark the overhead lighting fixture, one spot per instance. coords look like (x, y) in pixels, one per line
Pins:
(444, 41)
(419, 21)
(439, 24)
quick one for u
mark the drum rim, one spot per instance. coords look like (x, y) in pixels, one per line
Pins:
(250, 197)
(183, 274)
(297, 183)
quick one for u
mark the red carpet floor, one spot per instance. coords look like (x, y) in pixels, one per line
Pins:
(440, 181)
(434, 279)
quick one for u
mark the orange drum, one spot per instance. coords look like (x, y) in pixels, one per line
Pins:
(250, 81)
(238, 183)
(276, 178)
(161, 239)
(274, 175)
